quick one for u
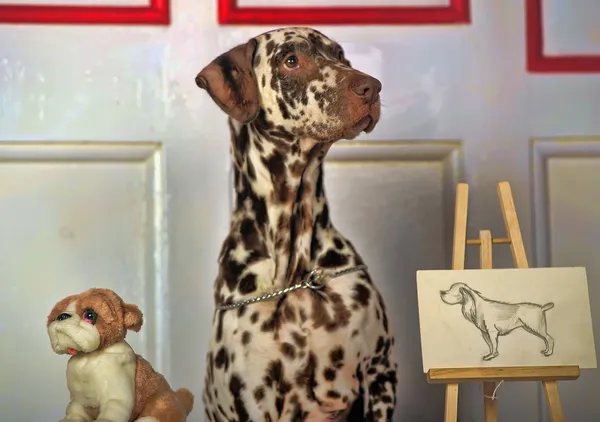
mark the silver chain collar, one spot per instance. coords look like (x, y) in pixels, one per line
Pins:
(314, 281)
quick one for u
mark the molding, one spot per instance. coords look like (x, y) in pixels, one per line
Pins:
(537, 61)
(157, 12)
(79, 151)
(416, 150)
(543, 149)
(456, 12)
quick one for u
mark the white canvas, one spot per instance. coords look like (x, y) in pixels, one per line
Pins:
(516, 303)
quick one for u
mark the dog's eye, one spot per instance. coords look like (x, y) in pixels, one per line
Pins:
(63, 316)
(340, 54)
(291, 62)
(90, 316)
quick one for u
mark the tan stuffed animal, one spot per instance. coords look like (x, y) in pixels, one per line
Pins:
(108, 382)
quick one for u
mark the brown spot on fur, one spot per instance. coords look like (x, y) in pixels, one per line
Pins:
(299, 339)
(320, 312)
(362, 294)
(337, 357)
(288, 350)
(329, 374)
(259, 393)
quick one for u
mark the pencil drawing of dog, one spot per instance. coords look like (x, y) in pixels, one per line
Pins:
(495, 318)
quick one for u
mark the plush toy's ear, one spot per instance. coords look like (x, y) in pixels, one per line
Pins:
(133, 317)
(231, 83)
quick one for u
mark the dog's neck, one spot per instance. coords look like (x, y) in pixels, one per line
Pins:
(280, 228)
(278, 182)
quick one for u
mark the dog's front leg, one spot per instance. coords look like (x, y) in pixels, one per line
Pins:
(115, 410)
(76, 413)
(117, 393)
(379, 385)
(488, 341)
(493, 335)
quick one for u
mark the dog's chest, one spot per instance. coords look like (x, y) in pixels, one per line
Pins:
(274, 354)
(94, 376)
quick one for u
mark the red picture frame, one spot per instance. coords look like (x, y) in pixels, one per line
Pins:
(538, 61)
(156, 13)
(457, 12)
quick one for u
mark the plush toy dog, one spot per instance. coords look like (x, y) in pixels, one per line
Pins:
(108, 382)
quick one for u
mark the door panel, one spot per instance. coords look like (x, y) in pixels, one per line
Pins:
(567, 216)
(61, 235)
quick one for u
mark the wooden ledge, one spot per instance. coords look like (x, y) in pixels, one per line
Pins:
(513, 373)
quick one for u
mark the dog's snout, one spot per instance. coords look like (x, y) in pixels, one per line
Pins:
(63, 316)
(368, 88)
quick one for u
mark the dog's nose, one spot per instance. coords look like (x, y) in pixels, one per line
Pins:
(200, 81)
(368, 88)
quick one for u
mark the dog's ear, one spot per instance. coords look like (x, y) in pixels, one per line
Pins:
(133, 317)
(466, 294)
(231, 83)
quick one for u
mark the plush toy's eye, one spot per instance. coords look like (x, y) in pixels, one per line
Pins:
(63, 316)
(89, 315)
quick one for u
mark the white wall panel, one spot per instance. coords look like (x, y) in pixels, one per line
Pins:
(75, 216)
(567, 190)
(571, 28)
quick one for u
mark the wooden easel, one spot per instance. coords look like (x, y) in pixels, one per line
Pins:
(547, 375)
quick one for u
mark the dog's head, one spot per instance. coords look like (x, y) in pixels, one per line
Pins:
(457, 294)
(91, 321)
(298, 81)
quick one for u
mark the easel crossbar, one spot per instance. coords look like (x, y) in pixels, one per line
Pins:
(516, 373)
(495, 241)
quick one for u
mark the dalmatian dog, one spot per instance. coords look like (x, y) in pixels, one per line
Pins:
(323, 354)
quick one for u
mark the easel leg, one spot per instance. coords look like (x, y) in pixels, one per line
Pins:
(485, 262)
(451, 414)
(458, 263)
(460, 227)
(511, 222)
(551, 390)
(490, 406)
